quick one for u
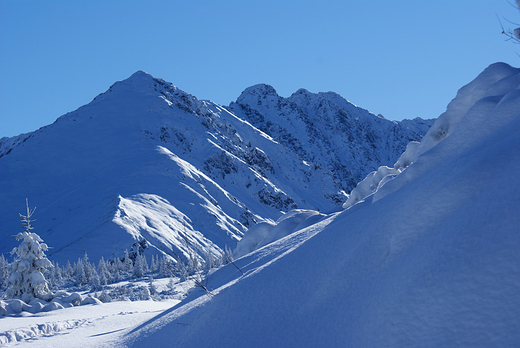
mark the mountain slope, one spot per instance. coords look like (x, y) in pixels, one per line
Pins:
(429, 259)
(145, 160)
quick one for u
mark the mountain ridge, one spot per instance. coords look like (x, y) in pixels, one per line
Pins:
(146, 160)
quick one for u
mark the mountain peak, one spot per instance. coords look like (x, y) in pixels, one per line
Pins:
(261, 88)
(301, 91)
(139, 77)
(139, 73)
(256, 93)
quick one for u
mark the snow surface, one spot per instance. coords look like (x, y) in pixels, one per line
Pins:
(264, 233)
(427, 259)
(432, 263)
(84, 320)
(83, 326)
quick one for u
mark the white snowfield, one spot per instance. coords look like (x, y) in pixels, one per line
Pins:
(430, 260)
(427, 256)
(82, 326)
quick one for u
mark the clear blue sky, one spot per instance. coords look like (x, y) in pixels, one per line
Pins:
(402, 59)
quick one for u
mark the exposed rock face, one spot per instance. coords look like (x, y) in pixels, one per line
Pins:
(327, 131)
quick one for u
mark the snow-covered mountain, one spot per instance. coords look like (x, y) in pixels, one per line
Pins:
(324, 129)
(145, 160)
(425, 256)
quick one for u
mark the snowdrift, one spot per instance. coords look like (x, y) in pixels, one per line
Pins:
(427, 258)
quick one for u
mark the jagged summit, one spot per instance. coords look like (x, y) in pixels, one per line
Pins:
(260, 89)
(314, 124)
(260, 94)
(301, 91)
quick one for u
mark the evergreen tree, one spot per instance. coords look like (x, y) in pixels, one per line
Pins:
(128, 266)
(4, 270)
(78, 276)
(88, 269)
(153, 263)
(151, 286)
(104, 274)
(140, 266)
(26, 280)
(56, 275)
(95, 282)
(68, 271)
(171, 286)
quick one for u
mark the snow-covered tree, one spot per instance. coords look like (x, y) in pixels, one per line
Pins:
(104, 274)
(26, 280)
(128, 265)
(4, 271)
(88, 268)
(140, 266)
(68, 271)
(153, 263)
(151, 286)
(79, 276)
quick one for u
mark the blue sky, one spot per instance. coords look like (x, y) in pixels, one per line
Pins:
(401, 59)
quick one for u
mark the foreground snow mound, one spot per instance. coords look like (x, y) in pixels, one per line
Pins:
(432, 263)
(479, 109)
(60, 300)
(264, 233)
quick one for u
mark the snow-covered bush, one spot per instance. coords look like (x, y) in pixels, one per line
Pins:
(26, 280)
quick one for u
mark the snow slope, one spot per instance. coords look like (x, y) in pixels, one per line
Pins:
(430, 259)
(145, 160)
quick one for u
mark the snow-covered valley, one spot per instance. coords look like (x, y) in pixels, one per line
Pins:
(421, 253)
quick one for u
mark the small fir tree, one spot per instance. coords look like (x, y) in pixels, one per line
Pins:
(4, 270)
(102, 270)
(151, 286)
(128, 265)
(26, 280)
(140, 266)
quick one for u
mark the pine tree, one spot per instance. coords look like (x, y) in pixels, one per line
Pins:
(153, 264)
(171, 286)
(56, 276)
(151, 286)
(79, 276)
(104, 275)
(95, 282)
(26, 280)
(68, 271)
(4, 270)
(140, 266)
(88, 268)
(128, 266)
